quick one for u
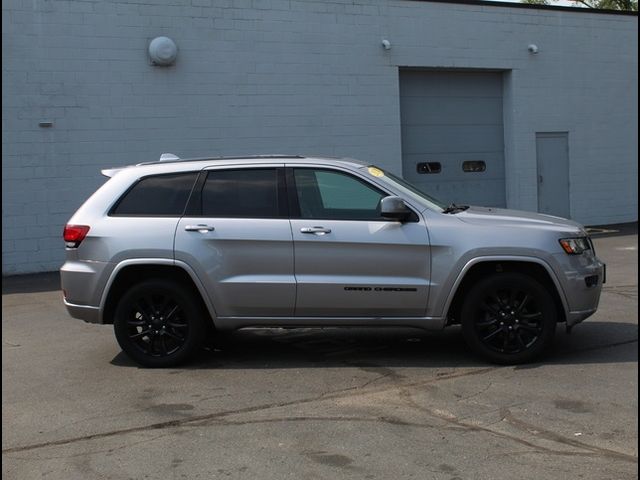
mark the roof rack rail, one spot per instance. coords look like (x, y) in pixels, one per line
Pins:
(170, 157)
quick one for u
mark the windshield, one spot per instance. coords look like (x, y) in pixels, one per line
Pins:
(406, 188)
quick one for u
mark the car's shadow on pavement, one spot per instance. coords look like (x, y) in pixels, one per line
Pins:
(591, 342)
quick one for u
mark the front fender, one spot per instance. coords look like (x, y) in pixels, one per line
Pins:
(448, 289)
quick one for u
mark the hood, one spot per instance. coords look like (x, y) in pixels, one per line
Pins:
(501, 217)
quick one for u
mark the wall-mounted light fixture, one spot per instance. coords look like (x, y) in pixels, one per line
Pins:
(386, 44)
(533, 49)
(163, 51)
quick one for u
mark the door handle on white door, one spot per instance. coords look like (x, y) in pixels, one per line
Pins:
(316, 230)
(199, 228)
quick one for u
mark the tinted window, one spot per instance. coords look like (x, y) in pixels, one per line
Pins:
(248, 193)
(429, 167)
(334, 195)
(474, 166)
(163, 195)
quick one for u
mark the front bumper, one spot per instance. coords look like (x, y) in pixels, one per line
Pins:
(574, 318)
(583, 292)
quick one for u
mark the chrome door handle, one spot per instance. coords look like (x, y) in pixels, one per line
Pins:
(316, 230)
(199, 228)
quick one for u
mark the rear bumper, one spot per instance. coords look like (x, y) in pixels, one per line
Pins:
(83, 312)
(82, 284)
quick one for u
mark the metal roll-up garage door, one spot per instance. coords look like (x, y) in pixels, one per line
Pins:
(452, 135)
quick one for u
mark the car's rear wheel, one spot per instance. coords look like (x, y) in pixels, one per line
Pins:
(159, 323)
(509, 318)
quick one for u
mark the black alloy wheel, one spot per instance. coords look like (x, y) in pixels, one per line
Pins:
(509, 318)
(158, 323)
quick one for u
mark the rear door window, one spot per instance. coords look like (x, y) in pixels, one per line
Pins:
(243, 193)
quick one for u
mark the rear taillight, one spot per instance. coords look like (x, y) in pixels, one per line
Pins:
(74, 234)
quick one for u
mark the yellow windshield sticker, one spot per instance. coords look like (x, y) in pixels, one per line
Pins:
(376, 172)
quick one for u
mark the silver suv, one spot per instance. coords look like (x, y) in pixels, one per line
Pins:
(173, 250)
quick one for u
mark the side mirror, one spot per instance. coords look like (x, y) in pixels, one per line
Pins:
(394, 208)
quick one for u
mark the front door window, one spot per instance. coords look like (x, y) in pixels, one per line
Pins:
(332, 195)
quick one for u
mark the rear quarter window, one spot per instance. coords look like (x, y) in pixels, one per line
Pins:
(158, 195)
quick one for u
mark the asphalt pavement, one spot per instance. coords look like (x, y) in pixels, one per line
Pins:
(321, 404)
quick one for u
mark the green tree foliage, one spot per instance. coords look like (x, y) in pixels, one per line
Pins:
(597, 4)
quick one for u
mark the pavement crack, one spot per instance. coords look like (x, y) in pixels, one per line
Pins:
(556, 437)
(90, 452)
(382, 372)
(627, 291)
(479, 392)
(377, 419)
(541, 433)
(199, 419)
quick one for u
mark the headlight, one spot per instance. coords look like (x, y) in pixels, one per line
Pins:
(575, 246)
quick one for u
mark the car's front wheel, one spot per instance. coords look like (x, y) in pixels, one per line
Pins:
(159, 323)
(509, 318)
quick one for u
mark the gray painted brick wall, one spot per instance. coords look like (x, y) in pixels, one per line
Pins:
(293, 76)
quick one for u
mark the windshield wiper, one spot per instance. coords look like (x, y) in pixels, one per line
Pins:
(453, 208)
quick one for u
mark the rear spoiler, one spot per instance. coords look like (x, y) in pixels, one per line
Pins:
(110, 172)
(165, 157)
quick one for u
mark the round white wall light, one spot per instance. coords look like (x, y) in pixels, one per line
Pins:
(386, 44)
(533, 48)
(163, 51)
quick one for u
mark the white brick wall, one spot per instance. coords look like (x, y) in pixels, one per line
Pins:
(293, 76)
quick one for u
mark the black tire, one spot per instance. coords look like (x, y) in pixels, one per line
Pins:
(159, 323)
(509, 318)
